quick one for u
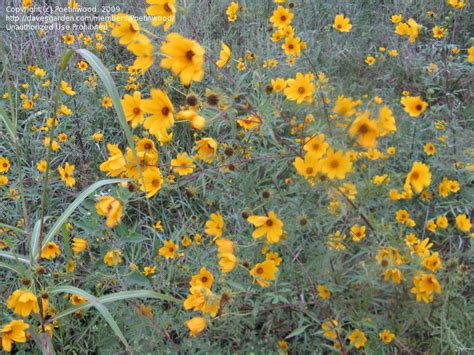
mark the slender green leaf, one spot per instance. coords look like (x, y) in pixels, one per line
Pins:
(34, 240)
(12, 256)
(111, 88)
(10, 89)
(118, 296)
(72, 207)
(14, 229)
(8, 123)
(136, 278)
(236, 285)
(65, 60)
(10, 267)
(297, 331)
(97, 305)
(109, 84)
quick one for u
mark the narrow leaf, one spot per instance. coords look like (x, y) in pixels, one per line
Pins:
(10, 267)
(12, 256)
(34, 240)
(72, 207)
(297, 331)
(8, 123)
(14, 229)
(109, 84)
(111, 88)
(65, 59)
(118, 296)
(97, 305)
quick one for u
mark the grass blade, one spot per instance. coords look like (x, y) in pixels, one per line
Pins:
(12, 228)
(94, 301)
(118, 296)
(11, 122)
(10, 267)
(71, 208)
(65, 60)
(111, 88)
(12, 256)
(8, 123)
(35, 235)
(109, 84)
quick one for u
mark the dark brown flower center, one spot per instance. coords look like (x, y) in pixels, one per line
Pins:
(415, 175)
(190, 54)
(334, 164)
(260, 270)
(192, 100)
(418, 107)
(269, 223)
(363, 129)
(309, 170)
(165, 111)
(213, 99)
(301, 90)
(136, 110)
(204, 279)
